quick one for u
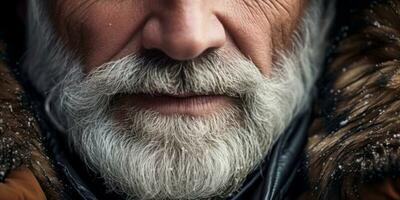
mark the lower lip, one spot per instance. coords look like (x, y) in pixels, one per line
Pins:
(189, 105)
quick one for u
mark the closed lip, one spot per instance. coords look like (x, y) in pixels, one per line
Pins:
(183, 103)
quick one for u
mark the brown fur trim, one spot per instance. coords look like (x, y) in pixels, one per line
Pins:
(356, 138)
(20, 140)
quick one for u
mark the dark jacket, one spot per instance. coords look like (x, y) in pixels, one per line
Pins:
(347, 147)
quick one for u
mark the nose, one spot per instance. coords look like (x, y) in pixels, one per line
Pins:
(183, 29)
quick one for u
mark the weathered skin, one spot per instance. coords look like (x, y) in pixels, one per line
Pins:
(182, 29)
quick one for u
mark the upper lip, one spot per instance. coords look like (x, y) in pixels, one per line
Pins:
(179, 95)
(185, 95)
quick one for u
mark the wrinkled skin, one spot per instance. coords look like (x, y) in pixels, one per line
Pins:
(105, 30)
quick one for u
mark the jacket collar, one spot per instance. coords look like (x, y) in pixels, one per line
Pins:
(274, 178)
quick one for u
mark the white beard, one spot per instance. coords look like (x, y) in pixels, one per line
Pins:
(153, 156)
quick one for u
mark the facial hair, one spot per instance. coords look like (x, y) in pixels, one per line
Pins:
(147, 155)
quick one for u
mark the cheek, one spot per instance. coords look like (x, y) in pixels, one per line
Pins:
(100, 31)
(262, 28)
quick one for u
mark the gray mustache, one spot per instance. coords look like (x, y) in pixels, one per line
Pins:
(210, 74)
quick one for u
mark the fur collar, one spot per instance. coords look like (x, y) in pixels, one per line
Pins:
(356, 137)
(20, 139)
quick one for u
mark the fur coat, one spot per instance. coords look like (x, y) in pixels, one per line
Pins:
(354, 140)
(21, 144)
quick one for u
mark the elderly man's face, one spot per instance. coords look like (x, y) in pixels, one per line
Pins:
(103, 31)
(174, 99)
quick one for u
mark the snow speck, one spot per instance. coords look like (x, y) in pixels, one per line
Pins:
(344, 122)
